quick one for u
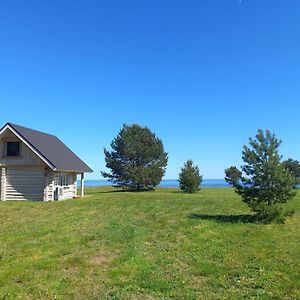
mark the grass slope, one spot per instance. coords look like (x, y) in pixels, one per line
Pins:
(149, 245)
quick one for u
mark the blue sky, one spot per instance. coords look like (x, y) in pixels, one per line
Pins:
(204, 75)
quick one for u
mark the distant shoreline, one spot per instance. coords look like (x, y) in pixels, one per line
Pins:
(166, 183)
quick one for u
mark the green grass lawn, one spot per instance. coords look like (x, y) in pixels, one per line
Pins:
(148, 245)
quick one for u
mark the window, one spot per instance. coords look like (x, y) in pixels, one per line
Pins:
(63, 179)
(12, 149)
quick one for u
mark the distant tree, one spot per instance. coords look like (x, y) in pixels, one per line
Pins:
(137, 160)
(190, 178)
(233, 175)
(265, 184)
(294, 168)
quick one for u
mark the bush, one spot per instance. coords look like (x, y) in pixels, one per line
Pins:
(190, 178)
(272, 213)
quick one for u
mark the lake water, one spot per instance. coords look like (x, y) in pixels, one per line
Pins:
(167, 183)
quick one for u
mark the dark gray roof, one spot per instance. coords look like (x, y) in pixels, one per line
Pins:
(52, 149)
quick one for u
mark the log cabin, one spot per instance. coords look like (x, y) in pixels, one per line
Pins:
(37, 166)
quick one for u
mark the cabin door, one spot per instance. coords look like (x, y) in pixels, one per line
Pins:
(56, 193)
(59, 185)
(56, 188)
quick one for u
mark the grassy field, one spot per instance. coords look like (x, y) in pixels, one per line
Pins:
(148, 245)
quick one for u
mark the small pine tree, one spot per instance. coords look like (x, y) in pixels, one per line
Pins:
(190, 178)
(265, 184)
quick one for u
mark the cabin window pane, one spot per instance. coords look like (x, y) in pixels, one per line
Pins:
(67, 180)
(12, 149)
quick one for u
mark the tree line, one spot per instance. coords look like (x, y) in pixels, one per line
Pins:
(137, 162)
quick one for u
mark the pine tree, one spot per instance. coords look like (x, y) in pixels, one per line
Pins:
(265, 184)
(190, 178)
(137, 160)
(233, 175)
(293, 166)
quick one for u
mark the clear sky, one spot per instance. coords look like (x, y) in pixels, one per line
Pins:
(204, 75)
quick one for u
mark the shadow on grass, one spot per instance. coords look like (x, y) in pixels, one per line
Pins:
(245, 218)
(108, 191)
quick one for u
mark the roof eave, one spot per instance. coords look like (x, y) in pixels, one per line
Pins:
(74, 171)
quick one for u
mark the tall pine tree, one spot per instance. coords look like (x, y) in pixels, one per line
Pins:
(137, 160)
